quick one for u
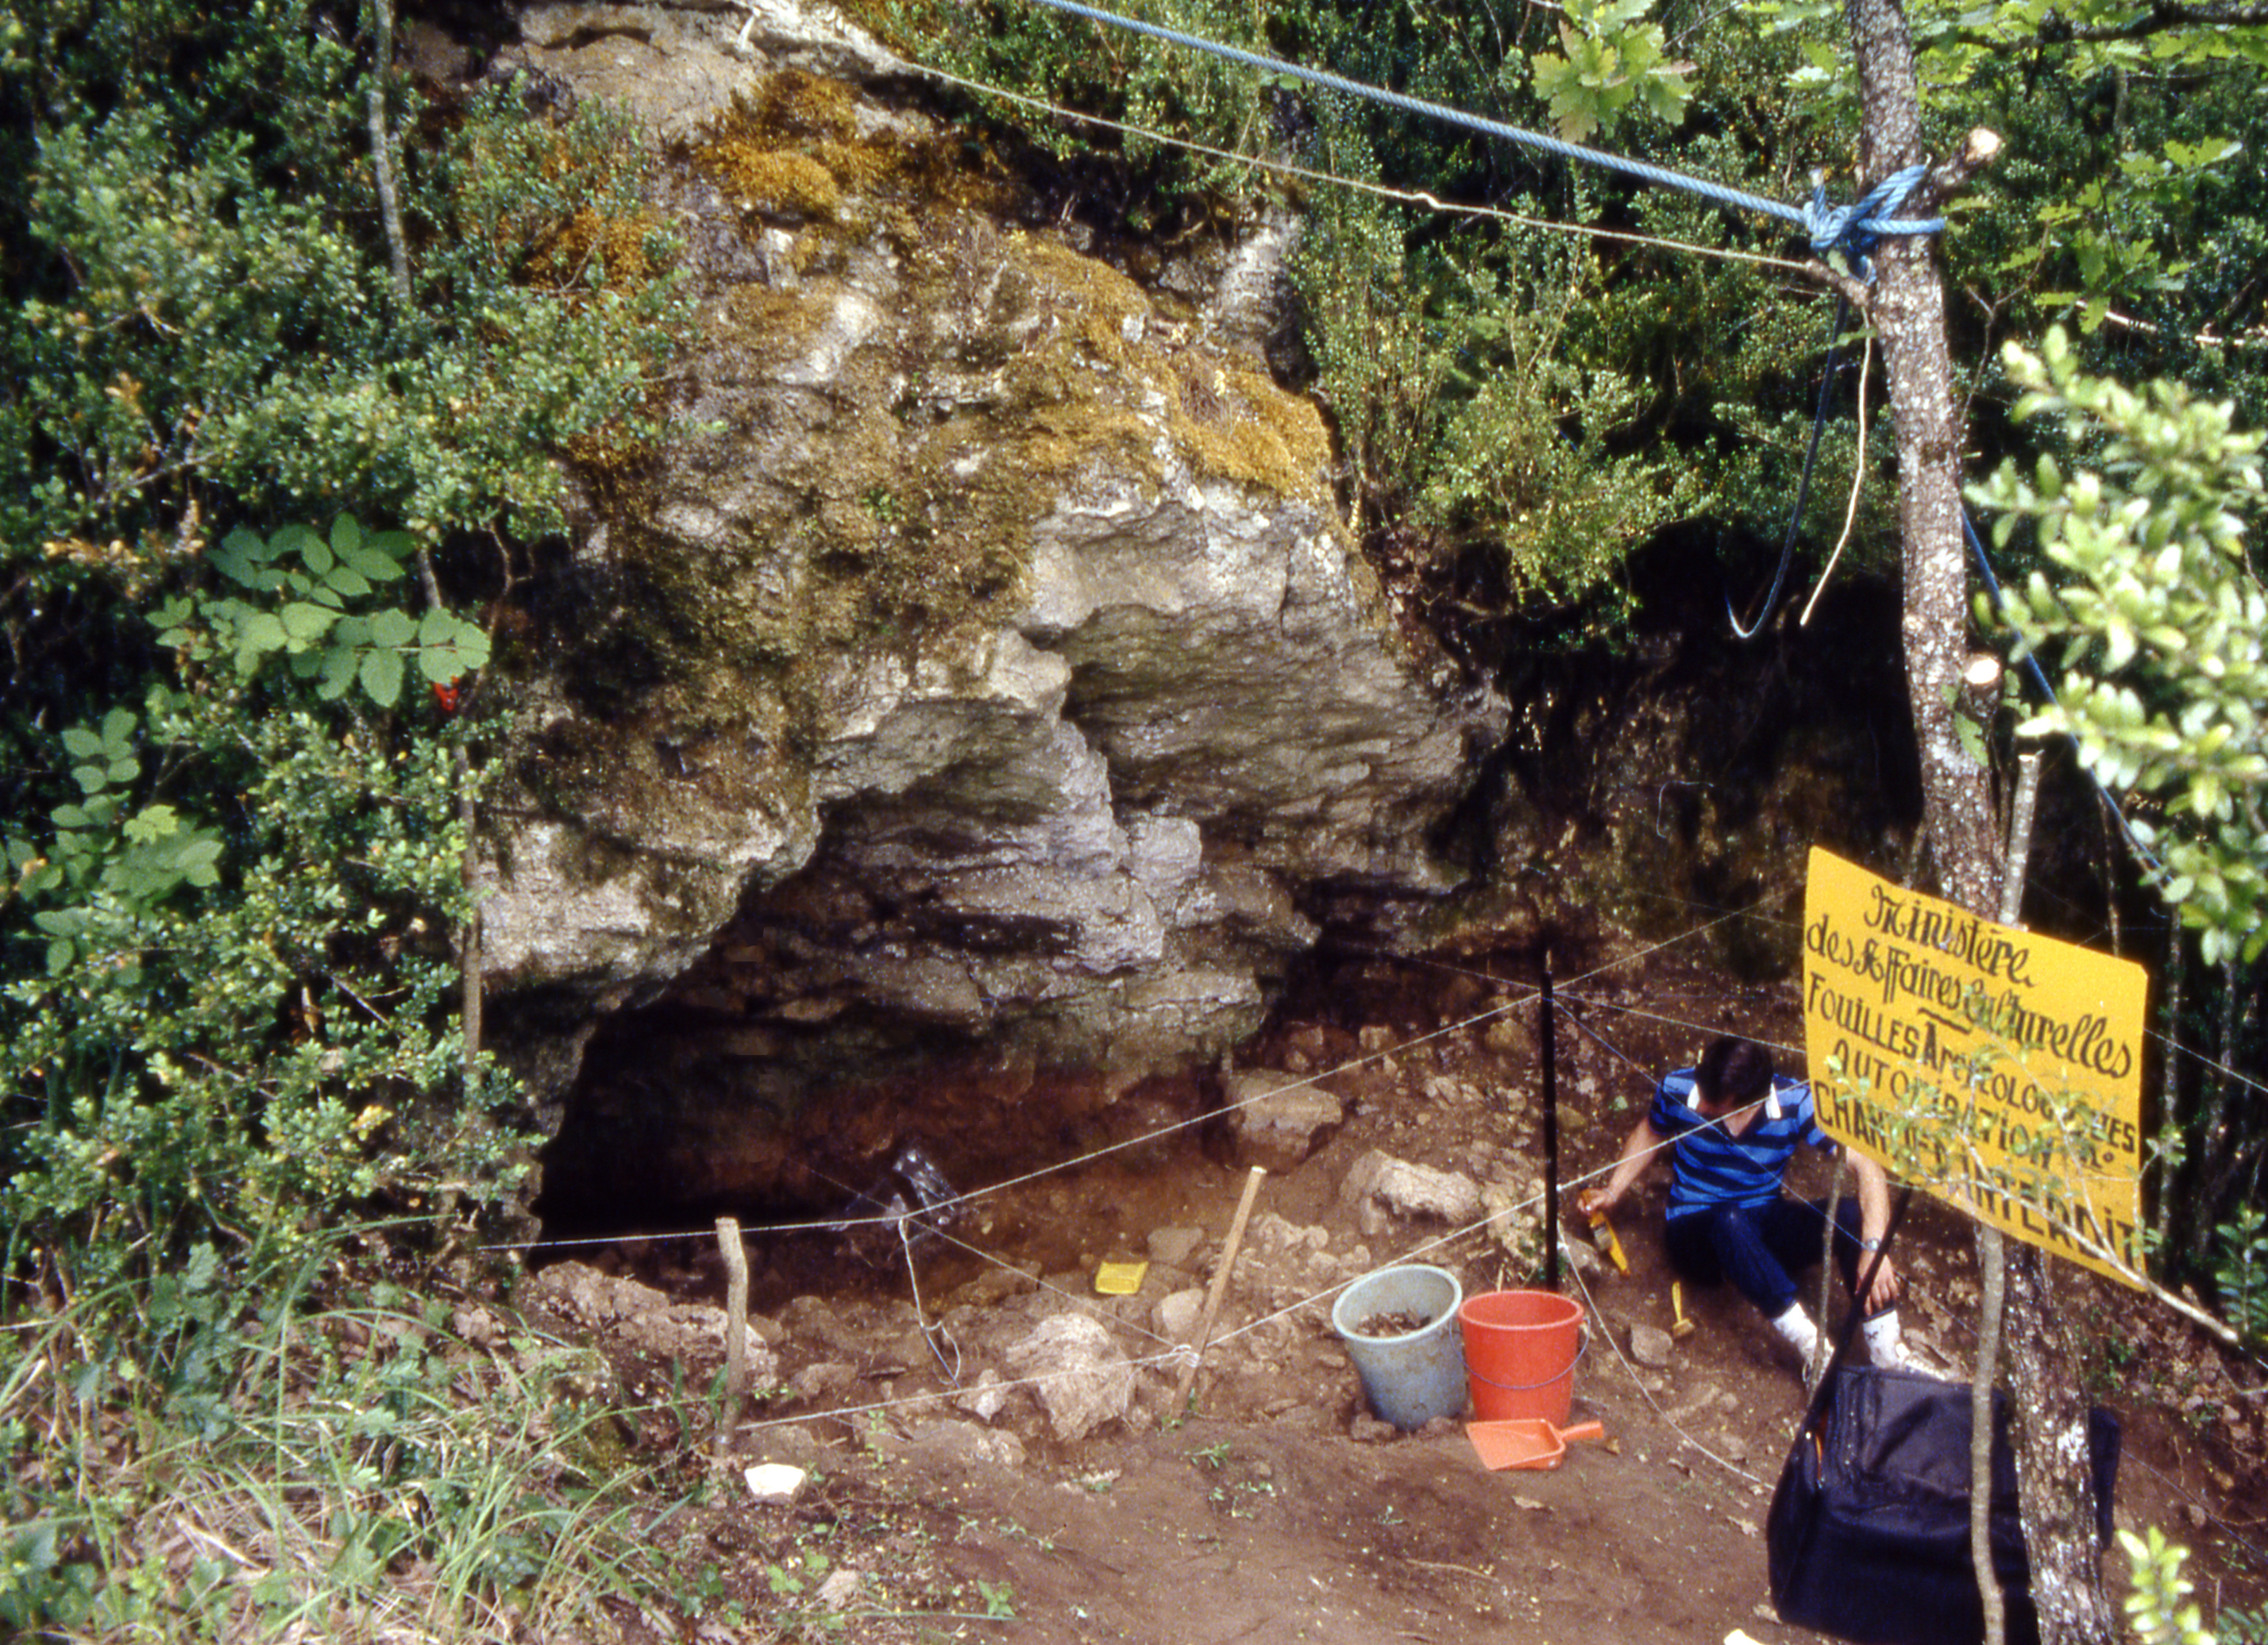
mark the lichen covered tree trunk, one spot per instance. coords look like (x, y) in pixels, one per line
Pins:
(1907, 307)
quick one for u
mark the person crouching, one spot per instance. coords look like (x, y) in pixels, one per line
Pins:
(1732, 1125)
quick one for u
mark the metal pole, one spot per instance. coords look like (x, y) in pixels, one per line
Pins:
(1548, 1037)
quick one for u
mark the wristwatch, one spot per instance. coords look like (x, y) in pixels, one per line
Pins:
(1870, 1244)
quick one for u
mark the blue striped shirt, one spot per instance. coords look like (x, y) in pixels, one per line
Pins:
(1710, 1167)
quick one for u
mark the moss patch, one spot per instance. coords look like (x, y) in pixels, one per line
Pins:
(790, 147)
(894, 501)
(776, 182)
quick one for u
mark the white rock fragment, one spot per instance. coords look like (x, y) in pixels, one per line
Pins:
(1083, 1379)
(1381, 1185)
(774, 1481)
(986, 1400)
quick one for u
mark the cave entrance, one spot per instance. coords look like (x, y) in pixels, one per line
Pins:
(663, 1133)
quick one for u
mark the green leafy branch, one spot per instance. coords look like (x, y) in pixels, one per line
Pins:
(114, 865)
(1608, 61)
(2161, 628)
(319, 615)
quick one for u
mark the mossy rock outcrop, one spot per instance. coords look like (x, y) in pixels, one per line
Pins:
(971, 690)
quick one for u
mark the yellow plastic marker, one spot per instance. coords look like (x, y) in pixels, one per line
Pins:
(1119, 1278)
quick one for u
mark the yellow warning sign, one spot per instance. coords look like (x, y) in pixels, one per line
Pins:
(1999, 1070)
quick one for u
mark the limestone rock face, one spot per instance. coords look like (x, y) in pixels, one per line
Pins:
(974, 687)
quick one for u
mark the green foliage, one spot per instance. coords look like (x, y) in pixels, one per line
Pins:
(2127, 197)
(1495, 432)
(327, 623)
(107, 865)
(2242, 1625)
(239, 1021)
(235, 829)
(236, 840)
(1486, 416)
(1158, 90)
(2160, 628)
(251, 1459)
(1609, 60)
(203, 323)
(2156, 1607)
(2240, 1271)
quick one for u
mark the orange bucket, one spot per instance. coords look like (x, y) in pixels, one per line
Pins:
(1521, 1349)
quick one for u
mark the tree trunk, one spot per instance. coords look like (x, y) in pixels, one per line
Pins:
(1907, 307)
(2055, 1491)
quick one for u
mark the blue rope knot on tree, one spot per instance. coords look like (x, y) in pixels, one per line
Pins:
(1856, 230)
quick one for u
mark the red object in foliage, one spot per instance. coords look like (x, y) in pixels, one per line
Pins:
(445, 697)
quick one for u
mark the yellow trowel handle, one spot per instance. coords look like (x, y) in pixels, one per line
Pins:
(1603, 1226)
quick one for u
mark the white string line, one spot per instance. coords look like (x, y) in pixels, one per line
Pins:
(1074, 1296)
(1181, 1354)
(2246, 1081)
(839, 1224)
(1648, 953)
(1566, 1186)
(1435, 203)
(1408, 196)
(1673, 1022)
(2215, 1064)
(1613, 1049)
(1858, 484)
(1753, 911)
(1710, 907)
(1645, 1394)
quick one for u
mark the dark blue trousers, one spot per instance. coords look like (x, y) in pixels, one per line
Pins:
(1761, 1249)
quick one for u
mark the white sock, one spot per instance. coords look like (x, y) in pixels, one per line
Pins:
(1885, 1343)
(1796, 1329)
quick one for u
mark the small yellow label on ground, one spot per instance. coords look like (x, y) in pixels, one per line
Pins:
(1120, 1279)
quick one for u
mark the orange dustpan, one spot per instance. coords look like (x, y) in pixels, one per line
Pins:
(1526, 1442)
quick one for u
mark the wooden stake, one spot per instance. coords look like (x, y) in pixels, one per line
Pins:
(736, 1324)
(1220, 1285)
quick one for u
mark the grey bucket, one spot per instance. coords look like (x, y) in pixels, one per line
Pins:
(1412, 1377)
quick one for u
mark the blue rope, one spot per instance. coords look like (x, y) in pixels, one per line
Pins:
(1854, 230)
(1803, 485)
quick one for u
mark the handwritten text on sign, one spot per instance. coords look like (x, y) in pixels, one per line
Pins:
(1997, 1068)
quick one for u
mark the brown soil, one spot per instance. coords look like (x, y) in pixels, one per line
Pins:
(1277, 1510)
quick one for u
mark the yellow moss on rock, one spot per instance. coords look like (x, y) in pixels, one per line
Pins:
(794, 104)
(775, 182)
(791, 145)
(1235, 424)
(619, 243)
(909, 512)
(768, 325)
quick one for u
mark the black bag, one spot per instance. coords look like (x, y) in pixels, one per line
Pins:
(1869, 1535)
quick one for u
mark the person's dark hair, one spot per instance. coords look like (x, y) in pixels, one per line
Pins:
(1734, 1070)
